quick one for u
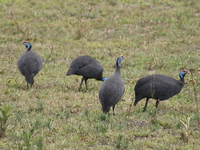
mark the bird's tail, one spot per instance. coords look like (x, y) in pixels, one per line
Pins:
(137, 98)
(69, 72)
(29, 78)
(105, 109)
(136, 101)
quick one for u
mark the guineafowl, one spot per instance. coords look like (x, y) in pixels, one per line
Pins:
(112, 89)
(158, 87)
(87, 67)
(29, 64)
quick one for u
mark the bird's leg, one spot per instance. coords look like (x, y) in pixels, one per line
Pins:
(32, 84)
(146, 105)
(86, 83)
(157, 102)
(113, 110)
(27, 86)
(81, 84)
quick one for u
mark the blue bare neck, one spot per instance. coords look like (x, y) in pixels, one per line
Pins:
(28, 46)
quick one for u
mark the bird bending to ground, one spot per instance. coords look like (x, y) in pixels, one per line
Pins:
(29, 64)
(87, 67)
(158, 87)
(112, 89)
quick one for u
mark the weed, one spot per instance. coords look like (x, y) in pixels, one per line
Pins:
(86, 113)
(40, 106)
(40, 143)
(48, 124)
(185, 134)
(67, 114)
(4, 115)
(101, 127)
(195, 92)
(121, 143)
(118, 141)
(102, 117)
(26, 136)
(29, 141)
(19, 116)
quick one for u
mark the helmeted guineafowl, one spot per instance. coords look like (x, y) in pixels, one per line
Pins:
(29, 64)
(87, 67)
(158, 87)
(112, 89)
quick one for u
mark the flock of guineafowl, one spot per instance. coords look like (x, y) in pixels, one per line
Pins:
(156, 86)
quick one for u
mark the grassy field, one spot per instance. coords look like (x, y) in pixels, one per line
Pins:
(154, 36)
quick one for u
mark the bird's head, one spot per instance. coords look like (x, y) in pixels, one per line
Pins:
(27, 44)
(183, 73)
(119, 60)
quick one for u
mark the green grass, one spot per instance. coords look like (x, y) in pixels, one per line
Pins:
(153, 36)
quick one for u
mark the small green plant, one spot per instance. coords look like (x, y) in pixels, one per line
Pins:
(87, 115)
(27, 139)
(4, 115)
(103, 128)
(118, 141)
(80, 30)
(30, 109)
(67, 115)
(40, 143)
(102, 117)
(122, 143)
(186, 132)
(19, 116)
(192, 71)
(29, 143)
(48, 124)
(112, 3)
(125, 143)
(40, 106)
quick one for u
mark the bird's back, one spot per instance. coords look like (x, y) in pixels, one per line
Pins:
(111, 90)
(157, 86)
(86, 66)
(29, 63)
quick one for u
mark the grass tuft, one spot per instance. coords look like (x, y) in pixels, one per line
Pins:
(4, 115)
